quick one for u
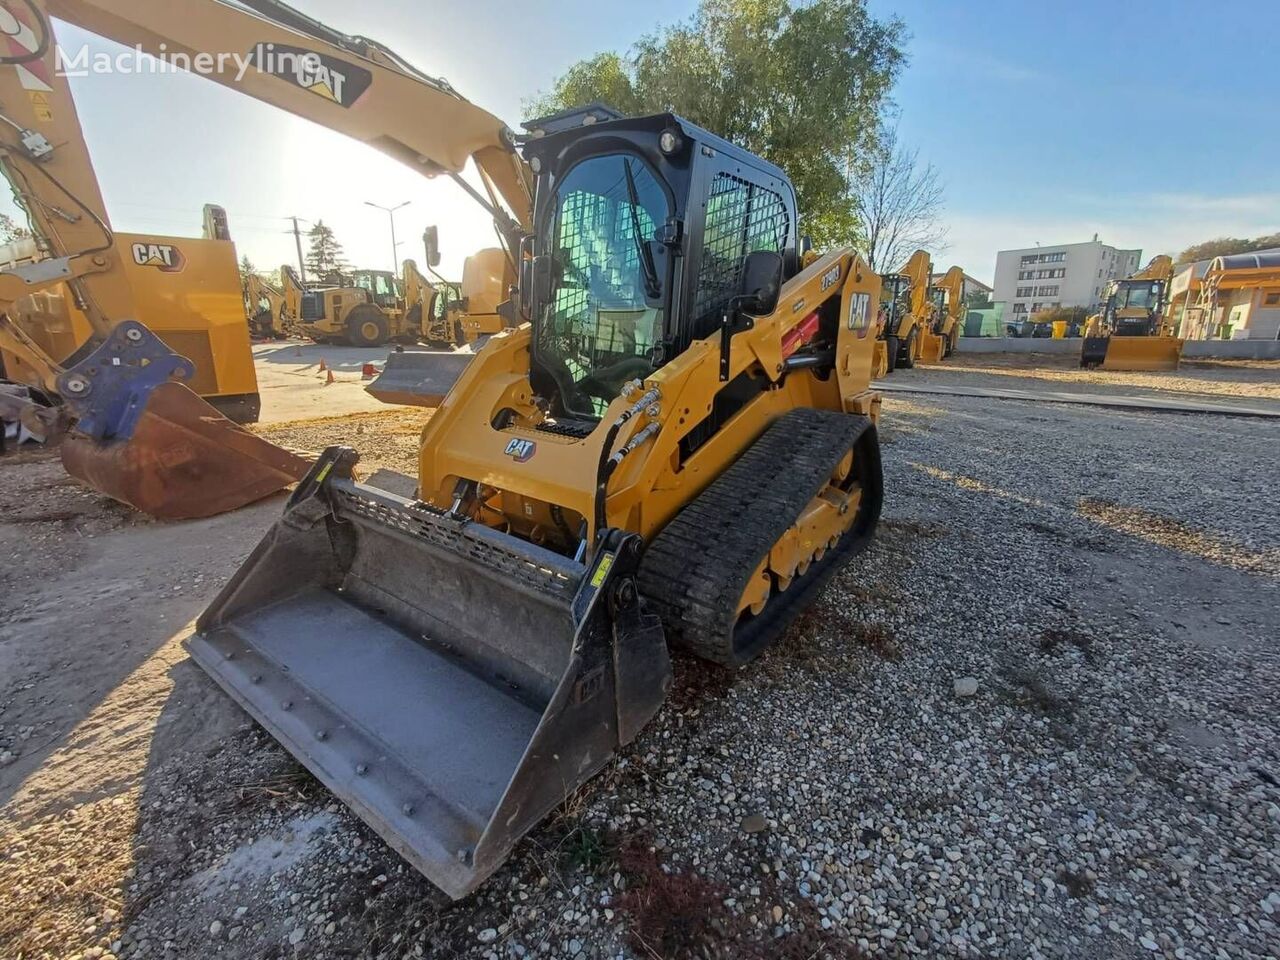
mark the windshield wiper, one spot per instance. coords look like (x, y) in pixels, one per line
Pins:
(652, 286)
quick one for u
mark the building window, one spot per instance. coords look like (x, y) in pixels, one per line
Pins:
(1025, 274)
(1028, 258)
(1055, 257)
(1272, 299)
(1026, 292)
(1051, 291)
(1019, 308)
(1035, 307)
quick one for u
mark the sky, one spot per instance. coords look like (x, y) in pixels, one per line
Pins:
(1151, 125)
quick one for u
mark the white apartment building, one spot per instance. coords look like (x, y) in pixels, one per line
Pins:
(1062, 275)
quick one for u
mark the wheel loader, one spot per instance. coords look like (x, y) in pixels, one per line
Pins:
(1131, 332)
(363, 309)
(674, 444)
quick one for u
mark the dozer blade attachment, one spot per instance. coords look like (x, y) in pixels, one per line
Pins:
(152, 443)
(451, 683)
(419, 379)
(1142, 353)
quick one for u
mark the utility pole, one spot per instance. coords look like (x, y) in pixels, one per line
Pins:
(391, 215)
(297, 241)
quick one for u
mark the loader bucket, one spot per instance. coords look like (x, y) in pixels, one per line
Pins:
(1132, 353)
(419, 379)
(148, 441)
(930, 347)
(452, 684)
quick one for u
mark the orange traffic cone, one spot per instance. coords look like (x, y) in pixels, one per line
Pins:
(329, 378)
(368, 371)
(323, 367)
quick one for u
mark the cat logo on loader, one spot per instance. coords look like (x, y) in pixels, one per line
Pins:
(164, 256)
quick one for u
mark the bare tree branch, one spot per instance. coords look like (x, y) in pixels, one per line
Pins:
(898, 203)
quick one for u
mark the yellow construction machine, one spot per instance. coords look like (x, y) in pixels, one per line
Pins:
(906, 313)
(362, 308)
(264, 306)
(450, 314)
(946, 302)
(1131, 332)
(138, 431)
(675, 443)
(461, 313)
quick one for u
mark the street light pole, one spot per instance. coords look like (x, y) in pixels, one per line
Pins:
(391, 216)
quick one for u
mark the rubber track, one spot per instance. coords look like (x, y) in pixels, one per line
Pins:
(694, 572)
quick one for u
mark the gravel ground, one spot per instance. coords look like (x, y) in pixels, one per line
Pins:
(1206, 378)
(1036, 719)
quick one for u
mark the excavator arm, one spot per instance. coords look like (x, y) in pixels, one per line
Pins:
(349, 84)
(139, 434)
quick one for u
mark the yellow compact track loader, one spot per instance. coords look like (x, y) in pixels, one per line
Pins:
(674, 443)
(907, 313)
(1131, 332)
(946, 300)
(679, 447)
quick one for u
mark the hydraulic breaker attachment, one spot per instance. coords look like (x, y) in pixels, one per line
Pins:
(449, 682)
(1131, 353)
(145, 439)
(419, 379)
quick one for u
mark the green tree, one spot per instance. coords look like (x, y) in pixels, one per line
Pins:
(978, 300)
(1226, 246)
(324, 255)
(803, 85)
(11, 230)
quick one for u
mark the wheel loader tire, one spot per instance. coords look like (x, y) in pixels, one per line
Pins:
(891, 352)
(694, 573)
(367, 326)
(908, 358)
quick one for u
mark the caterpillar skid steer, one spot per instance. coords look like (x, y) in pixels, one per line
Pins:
(133, 428)
(678, 447)
(1131, 332)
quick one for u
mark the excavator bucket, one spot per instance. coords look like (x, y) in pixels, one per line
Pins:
(1131, 353)
(451, 683)
(148, 441)
(419, 379)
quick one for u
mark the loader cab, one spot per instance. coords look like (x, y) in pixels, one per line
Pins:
(642, 227)
(1134, 307)
(380, 285)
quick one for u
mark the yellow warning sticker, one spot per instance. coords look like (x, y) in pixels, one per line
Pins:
(40, 104)
(324, 472)
(602, 570)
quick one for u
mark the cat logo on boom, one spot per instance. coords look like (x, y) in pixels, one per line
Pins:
(328, 77)
(165, 257)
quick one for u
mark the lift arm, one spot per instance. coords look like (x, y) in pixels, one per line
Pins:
(349, 84)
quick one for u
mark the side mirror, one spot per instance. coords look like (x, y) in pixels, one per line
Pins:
(544, 266)
(761, 282)
(431, 242)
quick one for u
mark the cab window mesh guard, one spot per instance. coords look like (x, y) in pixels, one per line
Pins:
(742, 217)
